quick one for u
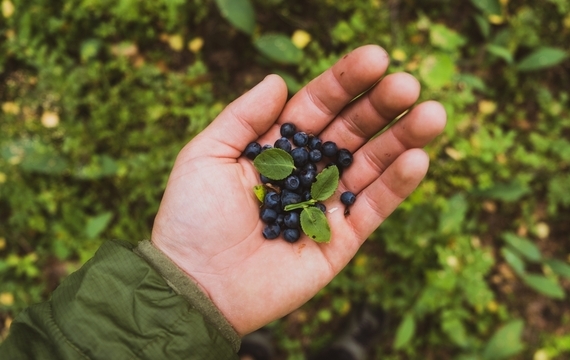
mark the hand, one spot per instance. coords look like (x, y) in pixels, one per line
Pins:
(208, 222)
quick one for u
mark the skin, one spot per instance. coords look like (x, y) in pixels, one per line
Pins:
(208, 222)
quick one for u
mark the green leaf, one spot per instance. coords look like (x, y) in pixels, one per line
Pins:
(405, 331)
(561, 268)
(274, 163)
(544, 286)
(437, 70)
(524, 246)
(314, 223)
(445, 38)
(96, 225)
(501, 52)
(542, 58)
(488, 6)
(279, 48)
(513, 260)
(260, 191)
(508, 192)
(239, 13)
(505, 342)
(325, 184)
(451, 219)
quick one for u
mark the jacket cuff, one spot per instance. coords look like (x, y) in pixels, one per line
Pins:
(186, 287)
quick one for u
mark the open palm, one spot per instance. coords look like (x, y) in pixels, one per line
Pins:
(208, 222)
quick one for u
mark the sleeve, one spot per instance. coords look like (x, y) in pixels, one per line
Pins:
(120, 305)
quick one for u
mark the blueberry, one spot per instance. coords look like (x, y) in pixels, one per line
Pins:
(287, 130)
(306, 195)
(344, 158)
(279, 220)
(272, 200)
(300, 156)
(289, 197)
(300, 139)
(252, 150)
(264, 179)
(329, 149)
(348, 198)
(268, 215)
(307, 178)
(315, 143)
(292, 182)
(291, 220)
(283, 144)
(271, 231)
(321, 207)
(315, 155)
(310, 166)
(291, 235)
(266, 147)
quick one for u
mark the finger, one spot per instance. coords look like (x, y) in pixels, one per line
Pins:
(320, 101)
(415, 130)
(369, 114)
(244, 120)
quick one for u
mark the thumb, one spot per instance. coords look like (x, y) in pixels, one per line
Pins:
(246, 118)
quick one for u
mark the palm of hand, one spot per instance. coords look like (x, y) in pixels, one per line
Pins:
(208, 222)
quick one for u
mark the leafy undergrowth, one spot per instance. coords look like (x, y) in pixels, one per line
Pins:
(97, 98)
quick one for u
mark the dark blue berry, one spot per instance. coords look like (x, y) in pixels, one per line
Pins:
(266, 147)
(301, 139)
(291, 235)
(321, 207)
(291, 220)
(279, 220)
(329, 149)
(310, 166)
(300, 156)
(268, 215)
(344, 158)
(315, 143)
(292, 182)
(271, 231)
(272, 200)
(287, 130)
(347, 198)
(306, 195)
(307, 178)
(283, 144)
(315, 155)
(289, 197)
(264, 179)
(252, 150)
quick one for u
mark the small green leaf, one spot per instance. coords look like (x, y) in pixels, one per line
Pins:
(508, 192)
(513, 260)
(437, 70)
(542, 58)
(279, 48)
(544, 286)
(445, 38)
(314, 223)
(405, 331)
(561, 268)
(260, 192)
(524, 246)
(96, 225)
(239, 13)
(505, 342)
(300, 205)
(274, 163)
(325, 184)
(501, 52)
(488, 6)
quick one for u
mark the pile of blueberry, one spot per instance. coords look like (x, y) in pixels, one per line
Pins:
(307, 152)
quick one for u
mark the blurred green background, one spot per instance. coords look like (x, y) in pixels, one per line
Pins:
(98, 96)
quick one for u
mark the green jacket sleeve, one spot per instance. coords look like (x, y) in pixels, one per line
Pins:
(118, 306)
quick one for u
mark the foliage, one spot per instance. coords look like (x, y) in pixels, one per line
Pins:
(97, 98)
